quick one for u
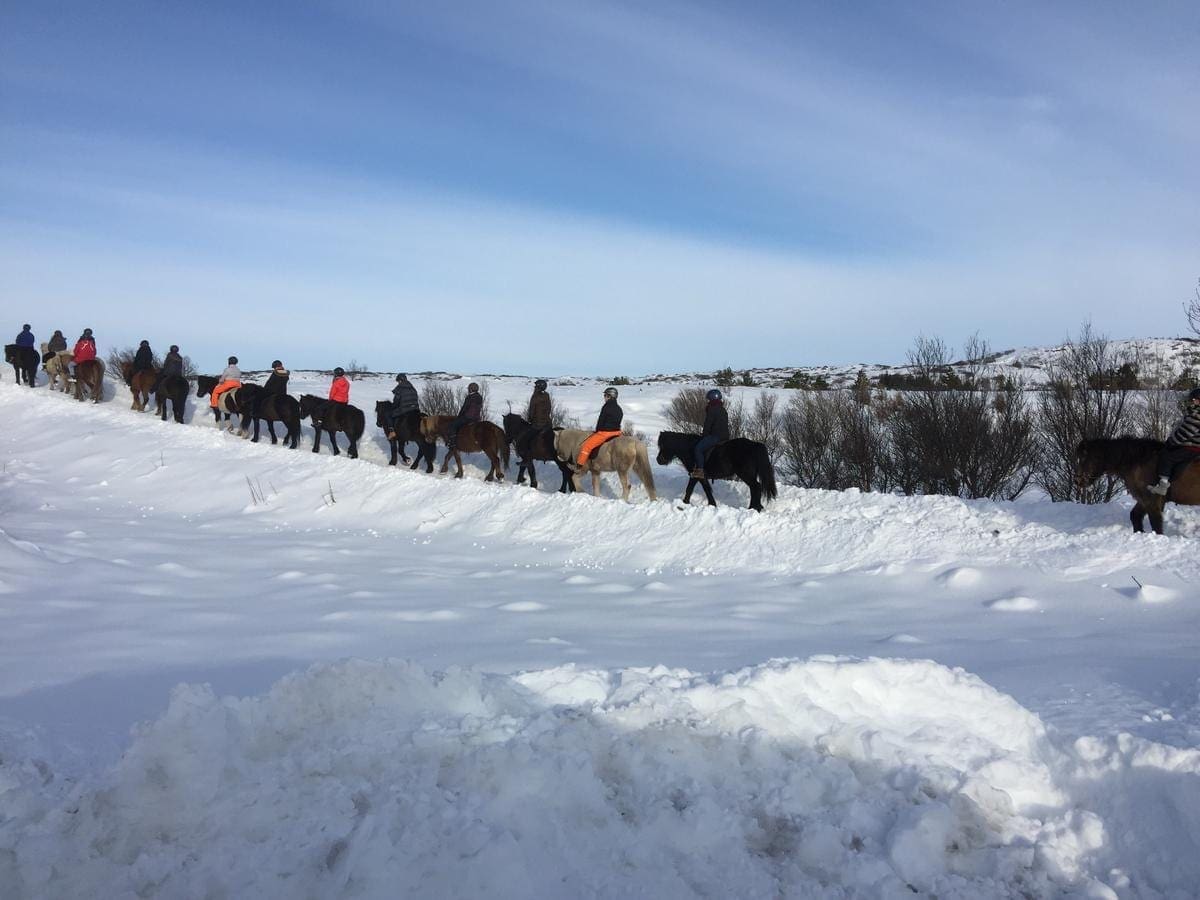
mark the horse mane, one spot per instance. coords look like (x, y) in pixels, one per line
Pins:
(676, 441)
(1121, 452)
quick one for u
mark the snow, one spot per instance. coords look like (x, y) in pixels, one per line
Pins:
(374, 682)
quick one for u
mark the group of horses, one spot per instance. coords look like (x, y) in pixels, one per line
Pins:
(87, 381)
(1130, 459)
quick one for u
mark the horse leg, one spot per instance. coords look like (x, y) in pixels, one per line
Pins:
(270, 430)
(493, 465)
(1155, 510)
(1137, 516)
(333, 440)
(353, 451)
(392, 442)
(532, 475)
(755, 492)
(691, 486)
(623, 474)
(595, 483)
(458, 462)
(316, 439)
(708, 494)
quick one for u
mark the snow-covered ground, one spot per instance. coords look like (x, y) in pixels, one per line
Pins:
(402, 685)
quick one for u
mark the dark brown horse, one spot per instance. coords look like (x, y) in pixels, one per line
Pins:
(534, 444)
(174, 388)
(89, 374)
(738, 458)
(1135, 462)
(24, 362)
(333, 417)
(407, 428)
(272, 408)
(141, 383)
(474, 437)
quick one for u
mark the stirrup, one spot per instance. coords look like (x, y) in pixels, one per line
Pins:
(1160, 487)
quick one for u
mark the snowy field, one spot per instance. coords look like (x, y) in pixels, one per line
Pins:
(376, 683)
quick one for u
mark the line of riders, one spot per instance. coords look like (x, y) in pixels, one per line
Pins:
(1180, 450)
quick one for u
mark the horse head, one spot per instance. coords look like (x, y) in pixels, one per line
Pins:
(671, 446)
(514, 425)
(382, 409)
(311, 407)
(205, 384)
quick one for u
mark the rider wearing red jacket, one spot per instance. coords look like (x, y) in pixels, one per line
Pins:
(339, 391)
(85, 347)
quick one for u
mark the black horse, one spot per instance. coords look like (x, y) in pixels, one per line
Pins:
(24, 362)
(531, 444)
(273, 408)
(738, 458)
(406, 429)
(175, 389)
(332, 418)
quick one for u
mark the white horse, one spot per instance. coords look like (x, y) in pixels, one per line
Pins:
(617, 455)
(58, 366)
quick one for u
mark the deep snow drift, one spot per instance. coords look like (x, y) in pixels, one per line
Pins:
(557, 733)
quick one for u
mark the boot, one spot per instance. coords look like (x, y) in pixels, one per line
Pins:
(698, 473)
(1161, 486)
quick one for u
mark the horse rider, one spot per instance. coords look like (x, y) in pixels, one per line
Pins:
(608, 426)
(172, 367)
(404, 402)
(540, 407)
(143, 361)
(339, 390)
(25, 338)
(715, 431)
(85, 348)
(57, 343)
(1182, 447)
(231, 378)
(471, 411)
(277, 381)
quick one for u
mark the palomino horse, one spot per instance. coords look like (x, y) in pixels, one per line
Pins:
(474, 437)
(534, 444)
(333, 417)
(738, 458)
(233, 403)
(57, 365)
(1135, 462)
(617, 455)
(24, 362)
(140, 383)
(90, 374)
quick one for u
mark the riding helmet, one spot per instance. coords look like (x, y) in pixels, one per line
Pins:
(144, 344)
(1193, 395)
(540, 384)
(276, 364)
(712, 395)
(339, 372)
(233, 360)
(610, 393)
(174, 348)
(400, 376)
(87, 332)
(472, 388)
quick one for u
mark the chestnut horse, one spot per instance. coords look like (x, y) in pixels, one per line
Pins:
(89, 375)
(474, 437)
(1135, 462)
(141, 383)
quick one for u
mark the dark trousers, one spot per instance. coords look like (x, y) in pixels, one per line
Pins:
(1174, 459)
(453, 428)
(702, 447)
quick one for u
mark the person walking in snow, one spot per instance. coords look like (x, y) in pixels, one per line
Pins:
(715, 431)
(608, 426)
(339, 390)
(1182, 447)
(471, 411)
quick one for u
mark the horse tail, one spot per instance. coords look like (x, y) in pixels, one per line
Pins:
(641, 465)
(766, 471)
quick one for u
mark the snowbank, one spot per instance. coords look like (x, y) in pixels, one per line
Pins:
(818, 778)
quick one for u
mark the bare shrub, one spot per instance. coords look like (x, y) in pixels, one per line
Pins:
(1082, 400)
(355, 370)
(685, 412)
(437, 399)
(960, 436)
(764, 423)
(115, 358)
(829, 440)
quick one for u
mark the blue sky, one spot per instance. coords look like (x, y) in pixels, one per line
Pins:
(596, 188)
